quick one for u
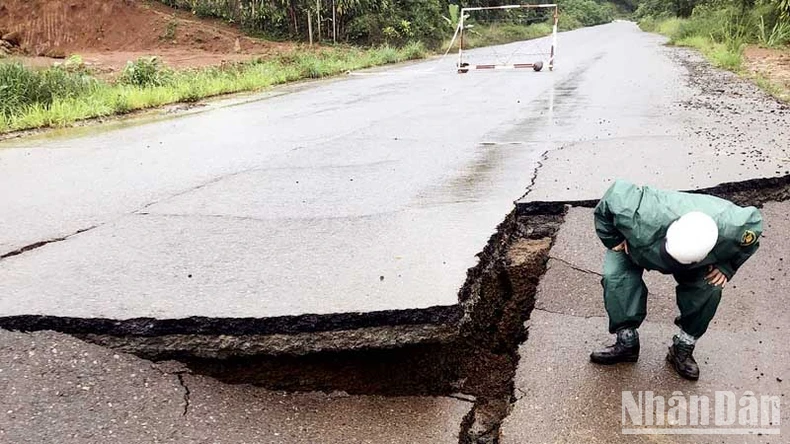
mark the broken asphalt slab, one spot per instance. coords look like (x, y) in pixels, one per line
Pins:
(563, 398)
(317, 211)
(733, 144)
(321, 210)
(95, 395)
(458, 180)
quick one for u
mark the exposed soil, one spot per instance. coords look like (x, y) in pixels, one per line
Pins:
(770, 66)
(108, 33)
(771, 63)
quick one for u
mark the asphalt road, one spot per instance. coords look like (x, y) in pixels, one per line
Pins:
(56, 389)
(251, 210)
(375, 192)
(563, 398)
(693, 127)
(372, 192)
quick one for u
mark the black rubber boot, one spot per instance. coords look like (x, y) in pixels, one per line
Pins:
(625, 349)
(680, 356)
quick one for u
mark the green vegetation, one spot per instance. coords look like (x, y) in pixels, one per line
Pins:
(485, 28)
(377, 21)
(21, 88)
(720, 29)
(146, 72)
(395, 30)
(60, 96)
(357, 21)
(579, 13)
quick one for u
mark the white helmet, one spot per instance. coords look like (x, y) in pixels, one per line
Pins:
(692, 237)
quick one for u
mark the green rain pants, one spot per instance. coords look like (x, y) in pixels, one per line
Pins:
(625, 296)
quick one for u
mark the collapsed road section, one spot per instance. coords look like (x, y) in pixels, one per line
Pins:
(317, 240)
(469, 351)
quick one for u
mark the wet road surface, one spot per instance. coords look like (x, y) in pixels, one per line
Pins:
(702, 127)
(57, 389)
(369, 193)
(373, 192)
(563, 398)
(203, 215)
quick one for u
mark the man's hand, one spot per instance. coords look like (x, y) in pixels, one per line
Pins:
(716, 277)
(622, 247)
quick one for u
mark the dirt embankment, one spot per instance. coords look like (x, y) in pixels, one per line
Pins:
(106, 30)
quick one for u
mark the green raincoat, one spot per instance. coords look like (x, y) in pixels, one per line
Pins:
(641, 216)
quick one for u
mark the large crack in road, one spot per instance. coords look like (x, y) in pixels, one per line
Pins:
(506, 283)
(462, 358)
(477, 363)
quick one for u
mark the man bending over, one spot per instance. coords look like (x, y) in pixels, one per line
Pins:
(700, 240)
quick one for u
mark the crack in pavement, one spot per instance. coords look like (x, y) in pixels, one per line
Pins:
(40, 244)
(543, 157)
(180, 377)
(569, 144)
(568, 314)
(462, 397)
(177, 369)
(595, 273)
(264, 219)
(583, 270)
(205, 184)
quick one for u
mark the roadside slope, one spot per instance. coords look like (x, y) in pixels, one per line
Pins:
(57, 28)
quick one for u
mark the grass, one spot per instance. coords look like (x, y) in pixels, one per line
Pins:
(60, 96)
(722, 39)
(721, 46)
(719, 54)
(665, 26)
(772, 88)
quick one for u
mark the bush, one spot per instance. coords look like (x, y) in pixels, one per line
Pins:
(719, 33)
(21, 87)
(772, 29)
(415, 50)
(654, 10)
(726, 58)
(569, 23)
(586, 12)
(310, 66)
(144, 72)
(730, 23)
(387, 54)
(678, 29)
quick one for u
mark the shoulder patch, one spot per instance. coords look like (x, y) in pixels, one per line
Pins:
(748, 238)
